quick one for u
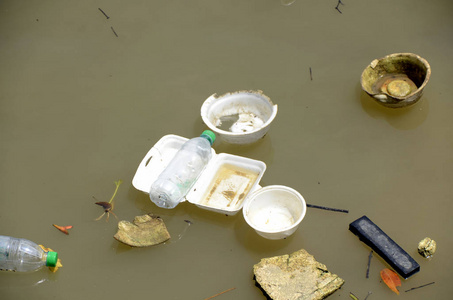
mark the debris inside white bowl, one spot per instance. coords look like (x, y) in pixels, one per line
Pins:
(240, 122)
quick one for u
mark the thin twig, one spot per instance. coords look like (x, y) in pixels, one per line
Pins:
(417, 287)
(338, 4)
(311, 75)
(368, 266)
(104, 13)
(220, 293)
(328, 208)
(369, 293)
(114, 31)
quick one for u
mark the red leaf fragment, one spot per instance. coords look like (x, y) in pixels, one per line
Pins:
(391, 279)
(63, 229)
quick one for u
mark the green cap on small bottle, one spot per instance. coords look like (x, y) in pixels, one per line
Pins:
(209, 135)
(52, 258)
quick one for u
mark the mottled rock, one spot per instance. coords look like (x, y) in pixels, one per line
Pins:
(146, 230)
(297, 276)
(427, 247)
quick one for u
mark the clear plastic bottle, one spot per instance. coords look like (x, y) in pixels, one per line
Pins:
(23, 255)
(182, 172)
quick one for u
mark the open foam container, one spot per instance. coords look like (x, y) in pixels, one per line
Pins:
(223, 185)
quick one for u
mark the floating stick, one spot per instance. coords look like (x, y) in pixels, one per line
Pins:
(114, 31)
(368, 266)
(220, 293)
(338, 4)
(328, 208)
(417, 287)
(104, 13)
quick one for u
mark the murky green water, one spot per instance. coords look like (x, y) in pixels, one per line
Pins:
(80, 107)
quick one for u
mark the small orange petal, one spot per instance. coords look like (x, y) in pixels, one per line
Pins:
(63, 229)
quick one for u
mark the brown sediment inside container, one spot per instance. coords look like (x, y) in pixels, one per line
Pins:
(229, 187)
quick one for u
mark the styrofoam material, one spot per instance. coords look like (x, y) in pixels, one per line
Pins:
(275, 211)
(254, 109)
(228, 195)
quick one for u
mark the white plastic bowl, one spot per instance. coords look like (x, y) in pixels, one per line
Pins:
(275, 211)
(254, 110)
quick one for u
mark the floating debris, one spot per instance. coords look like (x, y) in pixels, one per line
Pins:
(427, 247)
(146, 230)
(328, 208)
(104, 13)
(58, 265)
(368, 265)
(63, 229)
(391, 279)
(353, 296)
(218, 294)
(382, 244)
(114, 32)
(337, 7)
(297, 276)
(417, 287)
(108, 206)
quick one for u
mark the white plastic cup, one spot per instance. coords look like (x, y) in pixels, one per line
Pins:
(275, 211)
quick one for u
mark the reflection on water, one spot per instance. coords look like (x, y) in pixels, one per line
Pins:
(23, 280)
(404, 118)
(287, 2)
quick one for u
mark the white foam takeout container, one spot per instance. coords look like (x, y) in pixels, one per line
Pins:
(275, 212)
(224, 195)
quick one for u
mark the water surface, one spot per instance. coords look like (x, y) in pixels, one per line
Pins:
(83, 97)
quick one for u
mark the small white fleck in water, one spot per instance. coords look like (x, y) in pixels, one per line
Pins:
(287, 2)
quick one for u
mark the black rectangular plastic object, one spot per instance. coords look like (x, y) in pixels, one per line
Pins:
(382, 244)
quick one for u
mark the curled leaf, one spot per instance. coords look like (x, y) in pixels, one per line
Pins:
(391, 279)
(63, 229)
(58, 265)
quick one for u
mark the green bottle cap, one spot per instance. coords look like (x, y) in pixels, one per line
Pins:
(209, 135)
(52, 258)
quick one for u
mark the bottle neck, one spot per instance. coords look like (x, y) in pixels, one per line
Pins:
(208, 138)
(51, 258)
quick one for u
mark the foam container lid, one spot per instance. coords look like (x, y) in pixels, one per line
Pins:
(223, 185)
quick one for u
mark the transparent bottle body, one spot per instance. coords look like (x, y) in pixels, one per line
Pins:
(20, 255)
(182, 172)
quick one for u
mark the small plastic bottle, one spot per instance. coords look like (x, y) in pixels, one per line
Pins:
(22, 255)
(182, 172)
